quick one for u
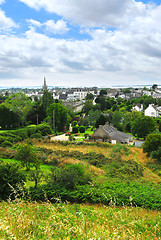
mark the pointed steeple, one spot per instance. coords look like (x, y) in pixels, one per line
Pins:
(44, 86)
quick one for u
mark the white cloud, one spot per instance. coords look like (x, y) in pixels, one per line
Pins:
(2, 1)
(59, 27)
(92, 12)
(34, 23)
(132, 52)
(5, 22)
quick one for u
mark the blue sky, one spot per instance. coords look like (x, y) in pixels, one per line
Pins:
(80, 43)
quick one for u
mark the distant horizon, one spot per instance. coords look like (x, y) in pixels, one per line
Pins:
(117, 86)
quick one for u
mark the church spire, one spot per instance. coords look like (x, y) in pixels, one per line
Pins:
(44, 86)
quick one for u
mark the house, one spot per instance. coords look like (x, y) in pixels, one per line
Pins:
(137, 107)
(108, 133)
(151, 111)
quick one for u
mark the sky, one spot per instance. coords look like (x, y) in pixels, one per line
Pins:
(83, 43)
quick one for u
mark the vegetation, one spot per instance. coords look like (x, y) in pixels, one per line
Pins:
(64, 221)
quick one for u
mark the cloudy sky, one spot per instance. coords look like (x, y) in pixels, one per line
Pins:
(80, 43)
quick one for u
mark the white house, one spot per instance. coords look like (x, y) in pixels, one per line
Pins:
(151, 111)
(137, 107)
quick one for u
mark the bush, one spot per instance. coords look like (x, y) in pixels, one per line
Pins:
(82, 129)
(75, 129)
(152, 143)
(6, 144)
(31, 130)
(44, 129)
(23, 133)
(70, 176)
(36, 135)
(10, 174)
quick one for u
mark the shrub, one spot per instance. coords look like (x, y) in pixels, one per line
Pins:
(22, 133)
(70, 176)
(31, 130)
(44, 129)
(82, 129)
(36, 135)
(75, 129)
(6, 144)
(9, 174)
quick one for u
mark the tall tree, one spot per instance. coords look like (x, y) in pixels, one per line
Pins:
(143, 126)
(59, 116)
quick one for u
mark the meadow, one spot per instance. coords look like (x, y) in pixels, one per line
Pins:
(25, 220)
(88, 191)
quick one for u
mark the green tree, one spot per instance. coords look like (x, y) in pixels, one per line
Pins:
(89, 96)
(27, 156)
(117, 120)
(88, 105)
(61, 116)
(152, 143)
(8, 118)
(143, 126)
(101, 120)
(93, 116)
(20, 104)
(46, 100)
(103, 92)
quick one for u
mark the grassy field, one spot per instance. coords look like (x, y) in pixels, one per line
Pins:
(64, 221)
(33, 220)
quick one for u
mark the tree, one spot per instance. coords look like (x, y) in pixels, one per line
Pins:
(89, 96)
(117, 120)
(8, 118)
(60, 115)
(88, 105)
(103, 92)
(36, 176)
(101, 120)
(143, 126)
(20, 104)
(152, 143)
(27, 156)
(93, 116)
(10, 174)
(46, 100)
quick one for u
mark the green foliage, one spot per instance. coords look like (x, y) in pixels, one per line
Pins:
(61, 116)
(75, 129)
(36, 135)
(82, 129)
(152, 143)
(10, 176)
(6, 144)
(27, 156)
(143, 126)
(70, 176)
(156, 154)
(20, 104)
(88, 105)
(31, 129)
(8, 118)
(44, 129)
(101, 120)
(93, 116)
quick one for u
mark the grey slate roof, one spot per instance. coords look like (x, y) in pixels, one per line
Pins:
(112, 133)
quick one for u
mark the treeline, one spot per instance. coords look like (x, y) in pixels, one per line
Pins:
(18, 110)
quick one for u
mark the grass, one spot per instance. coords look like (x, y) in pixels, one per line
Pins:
(23, 221)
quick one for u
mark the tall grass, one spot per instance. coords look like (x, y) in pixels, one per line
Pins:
(62, 221)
